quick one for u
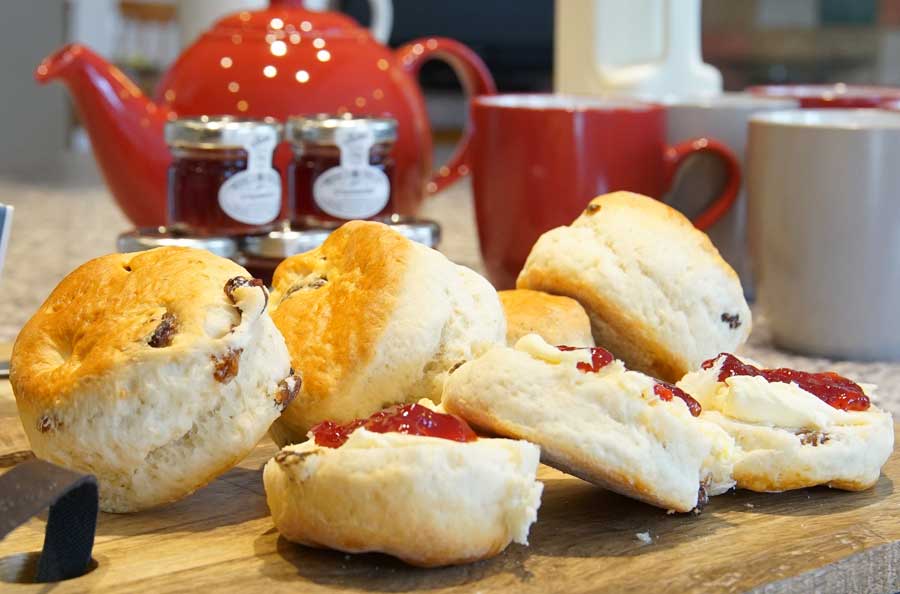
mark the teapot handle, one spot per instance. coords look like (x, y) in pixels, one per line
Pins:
(475, 79)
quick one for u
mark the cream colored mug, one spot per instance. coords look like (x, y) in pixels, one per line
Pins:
(824, 228)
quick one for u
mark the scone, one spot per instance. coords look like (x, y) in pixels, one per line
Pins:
(794, 429)
(387, 485)
(592, 418)
(556, 319)
(658, 294)
(154, 371)
(373, 319)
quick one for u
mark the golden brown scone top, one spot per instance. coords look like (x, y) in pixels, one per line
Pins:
(558, 320)
(334, 302)
(107, 313)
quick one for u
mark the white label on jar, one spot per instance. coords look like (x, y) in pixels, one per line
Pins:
(354, 189)
(253, 196)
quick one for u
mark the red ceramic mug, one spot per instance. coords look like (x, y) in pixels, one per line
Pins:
(538, 159)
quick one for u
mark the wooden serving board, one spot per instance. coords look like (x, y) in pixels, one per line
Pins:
(221, 539)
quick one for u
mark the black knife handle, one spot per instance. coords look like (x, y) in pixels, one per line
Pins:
(33, 486)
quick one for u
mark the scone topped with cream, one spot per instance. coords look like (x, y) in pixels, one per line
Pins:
(154, 371)
(794, 429)
(373, 319)
(659, 295)
(593, 418)
(409, 481)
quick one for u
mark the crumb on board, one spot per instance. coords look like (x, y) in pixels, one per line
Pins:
(750, 505)
(644, 537)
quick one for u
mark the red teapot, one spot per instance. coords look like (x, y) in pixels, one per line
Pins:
(276, 62)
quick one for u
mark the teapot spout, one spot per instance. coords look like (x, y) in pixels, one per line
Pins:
(125, 128)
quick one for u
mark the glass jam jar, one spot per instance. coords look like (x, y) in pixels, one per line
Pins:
(342, 167)
(221, 180)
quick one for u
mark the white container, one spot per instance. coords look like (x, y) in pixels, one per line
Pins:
(634, 47)
(824, 214)
(723, 118)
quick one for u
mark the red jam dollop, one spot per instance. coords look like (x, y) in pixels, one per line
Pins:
(829, 387)
(412, 419)
(668, 391)
(600, 358)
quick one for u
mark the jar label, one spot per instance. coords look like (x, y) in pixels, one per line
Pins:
(354, 189)
(253, 196)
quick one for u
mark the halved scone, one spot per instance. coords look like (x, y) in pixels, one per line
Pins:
(376, 485)
(787, 436)
(620, 429)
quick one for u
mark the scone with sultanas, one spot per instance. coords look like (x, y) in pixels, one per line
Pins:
(408, 481)
(556, 319)
(658, 294)
(594, 419)
(794, 429)
(154, 371)
(373, 319)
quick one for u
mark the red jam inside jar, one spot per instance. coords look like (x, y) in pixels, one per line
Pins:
(829, 387)
(411, 419)
(600, 358)
(668, 391)
(366, 163)
(203, 160)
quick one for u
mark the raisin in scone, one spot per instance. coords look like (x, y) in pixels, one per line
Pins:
(154, 371)
(794, 429)
(658, 294)
(408, 481)
(556, 319)
(593, 418)
(373, 319)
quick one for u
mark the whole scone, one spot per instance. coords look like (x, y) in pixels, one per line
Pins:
(556, 319)
(155, 371)
(373, 319)
(658, 293)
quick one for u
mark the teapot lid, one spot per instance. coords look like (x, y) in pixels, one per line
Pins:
(286, 17)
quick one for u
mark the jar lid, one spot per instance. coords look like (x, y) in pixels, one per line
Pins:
(422, 231)
(283, 243)
(288, 242)
(321, 128)
(139, 240)
(218, 131)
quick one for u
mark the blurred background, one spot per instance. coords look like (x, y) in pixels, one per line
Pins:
(749, 41)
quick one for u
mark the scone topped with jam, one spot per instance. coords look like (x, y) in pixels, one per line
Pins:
(409, 481)
(659, 295)
(154, 371)
(794, 429)
(373, 319)
(595, 419)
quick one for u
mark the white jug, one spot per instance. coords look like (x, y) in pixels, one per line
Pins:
(634, 47)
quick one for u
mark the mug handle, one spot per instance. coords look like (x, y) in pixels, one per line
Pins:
(475, 79)
(676, 155)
